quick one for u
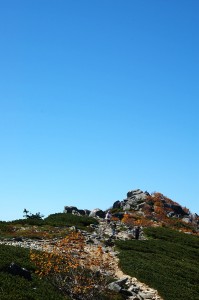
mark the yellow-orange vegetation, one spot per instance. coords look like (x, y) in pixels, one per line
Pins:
(155, 213)
(74, 268)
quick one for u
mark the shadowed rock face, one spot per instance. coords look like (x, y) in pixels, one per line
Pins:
(177, 209)
(74, 210)
(97, 213)
(15, 269)
(134, 193)
(70, 209)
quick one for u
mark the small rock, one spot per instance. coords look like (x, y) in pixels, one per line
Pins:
(114, 287)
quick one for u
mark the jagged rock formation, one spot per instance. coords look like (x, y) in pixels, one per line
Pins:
(74, 210)
(156, 208)
(97, 212)
(135, 200)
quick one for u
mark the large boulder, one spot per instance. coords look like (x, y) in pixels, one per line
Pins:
(133, 200)
(15, 269)
(97, 213)
(74, 210)
(87, 212)
(117, 204)
(137, 195)
(70, 209)
(134, 193)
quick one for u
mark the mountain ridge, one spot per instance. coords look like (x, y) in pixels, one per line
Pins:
(145, 209)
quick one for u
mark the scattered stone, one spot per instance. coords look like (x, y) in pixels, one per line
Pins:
(129, 287)
(113, 286)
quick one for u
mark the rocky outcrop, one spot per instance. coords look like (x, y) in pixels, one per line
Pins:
(153, 207)
(74, 210)
(97, 213)
(135, 199)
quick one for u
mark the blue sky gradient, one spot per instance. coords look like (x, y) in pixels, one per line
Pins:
(97, 98)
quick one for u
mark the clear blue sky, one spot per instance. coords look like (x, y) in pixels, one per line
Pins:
(97, 98)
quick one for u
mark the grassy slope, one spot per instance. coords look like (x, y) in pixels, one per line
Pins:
(55, 225)
(16, 287)
(168, 262)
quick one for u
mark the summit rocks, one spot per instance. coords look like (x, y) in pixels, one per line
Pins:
(135, 200)
(154, 208)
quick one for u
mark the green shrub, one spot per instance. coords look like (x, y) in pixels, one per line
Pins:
(52, 226)
(66, 219)
(29, 221)
(18, 288)
(168, 262)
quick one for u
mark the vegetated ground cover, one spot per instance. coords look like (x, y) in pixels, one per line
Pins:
(66, 219)
(167, 261)
(54, 225)
(14, 287)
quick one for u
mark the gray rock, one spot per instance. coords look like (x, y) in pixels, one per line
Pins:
(87, 212)
(97, 213)
(146, 295)
(186, 220)
(134, 297)
(133, 193)
(121, 282)
(134, 288)
(75, 211)
(127, 206)
(114, 287)
(134, 198)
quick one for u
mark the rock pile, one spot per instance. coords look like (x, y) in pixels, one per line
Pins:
(133, 289)
(97, 212)
(135, 200)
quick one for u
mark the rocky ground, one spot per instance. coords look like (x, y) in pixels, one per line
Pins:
(103, 236)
